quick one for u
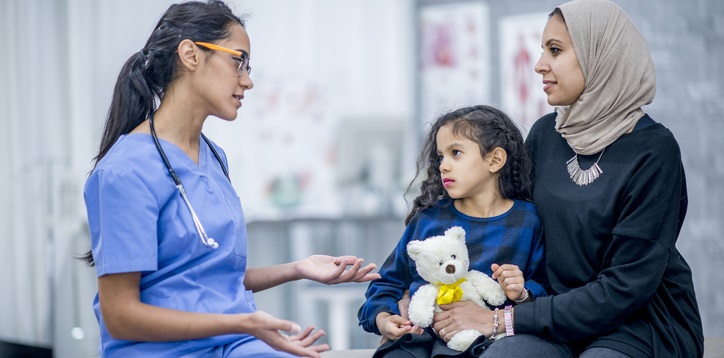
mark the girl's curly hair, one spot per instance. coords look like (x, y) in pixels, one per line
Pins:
(489, 128)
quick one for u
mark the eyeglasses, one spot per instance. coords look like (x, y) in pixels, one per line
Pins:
(241, 57)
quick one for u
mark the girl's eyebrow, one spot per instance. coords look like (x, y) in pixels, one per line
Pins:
(453, 146)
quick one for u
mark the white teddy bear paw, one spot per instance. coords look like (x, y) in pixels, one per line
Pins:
(497, 296)
(422, 316)
(463, 339)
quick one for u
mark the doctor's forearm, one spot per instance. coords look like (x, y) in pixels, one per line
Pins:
(148, 323)
(262, 278)
(126, 317)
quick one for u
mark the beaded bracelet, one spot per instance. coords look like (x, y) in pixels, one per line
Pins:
(496, 323)
(508, 316)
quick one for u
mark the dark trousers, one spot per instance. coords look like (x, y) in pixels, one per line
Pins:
(526, 346)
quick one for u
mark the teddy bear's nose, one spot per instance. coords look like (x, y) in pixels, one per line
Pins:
(450, 268)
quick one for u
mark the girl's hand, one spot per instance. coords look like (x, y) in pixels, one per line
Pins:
(267, 328)
(510, 279)
(403, 305)
(392, 326)
(333, 270)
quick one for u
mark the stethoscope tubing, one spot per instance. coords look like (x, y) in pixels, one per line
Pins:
(205, 239)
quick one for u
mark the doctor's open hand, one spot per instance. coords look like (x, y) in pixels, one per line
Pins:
(333, 270)
(268, 329)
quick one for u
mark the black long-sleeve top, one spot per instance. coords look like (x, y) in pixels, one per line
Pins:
(616, 277)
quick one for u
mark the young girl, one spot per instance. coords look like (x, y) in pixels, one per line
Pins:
(167, 230)
(478, 177)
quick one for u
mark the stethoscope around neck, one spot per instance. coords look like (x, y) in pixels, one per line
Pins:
(205, 239)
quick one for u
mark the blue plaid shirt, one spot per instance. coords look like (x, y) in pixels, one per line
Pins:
(514, 237)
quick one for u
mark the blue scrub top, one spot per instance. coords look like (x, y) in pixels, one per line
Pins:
(139, 223)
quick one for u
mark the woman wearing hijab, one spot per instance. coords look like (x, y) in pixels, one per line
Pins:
(610, 189)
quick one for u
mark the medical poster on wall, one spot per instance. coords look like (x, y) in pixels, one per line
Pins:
(522, 95)
(454, 58)
(280, 151)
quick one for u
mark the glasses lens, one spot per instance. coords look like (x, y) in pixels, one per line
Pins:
(243, 65)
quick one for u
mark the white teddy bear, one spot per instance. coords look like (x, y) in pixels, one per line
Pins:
(443, 262)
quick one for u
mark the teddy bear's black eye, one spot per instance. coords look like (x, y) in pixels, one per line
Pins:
(440, 263)
(453, 257)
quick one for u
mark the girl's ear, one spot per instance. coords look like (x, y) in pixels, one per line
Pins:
(497, 159)
(189, 54)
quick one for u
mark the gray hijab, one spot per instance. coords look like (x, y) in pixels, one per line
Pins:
(618, 71)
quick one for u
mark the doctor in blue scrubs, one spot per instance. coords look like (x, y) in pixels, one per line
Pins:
(168, 236)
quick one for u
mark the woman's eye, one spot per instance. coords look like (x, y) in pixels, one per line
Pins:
(555, 50)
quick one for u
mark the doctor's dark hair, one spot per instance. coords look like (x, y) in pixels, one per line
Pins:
(147, 73)
(489, 128)
(143, 80)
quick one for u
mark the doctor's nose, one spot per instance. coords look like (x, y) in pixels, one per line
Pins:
(246, 82)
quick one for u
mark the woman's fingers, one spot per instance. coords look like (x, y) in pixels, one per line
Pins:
(307, 338)
(364, 275)
(344, 274)
(356, 273)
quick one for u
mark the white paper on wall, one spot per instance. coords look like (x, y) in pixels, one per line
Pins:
(522, 95)
(454, 59)
(281, 157)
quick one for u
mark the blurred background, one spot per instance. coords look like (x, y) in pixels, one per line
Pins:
(325, 145)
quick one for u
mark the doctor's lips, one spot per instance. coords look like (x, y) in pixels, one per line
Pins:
(446, 182)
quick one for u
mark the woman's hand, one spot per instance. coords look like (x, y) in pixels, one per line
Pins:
(333, 270)
(267, 328)
(511, 280)
(459, 316)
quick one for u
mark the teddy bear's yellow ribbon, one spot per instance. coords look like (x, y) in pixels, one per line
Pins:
(450, 293)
